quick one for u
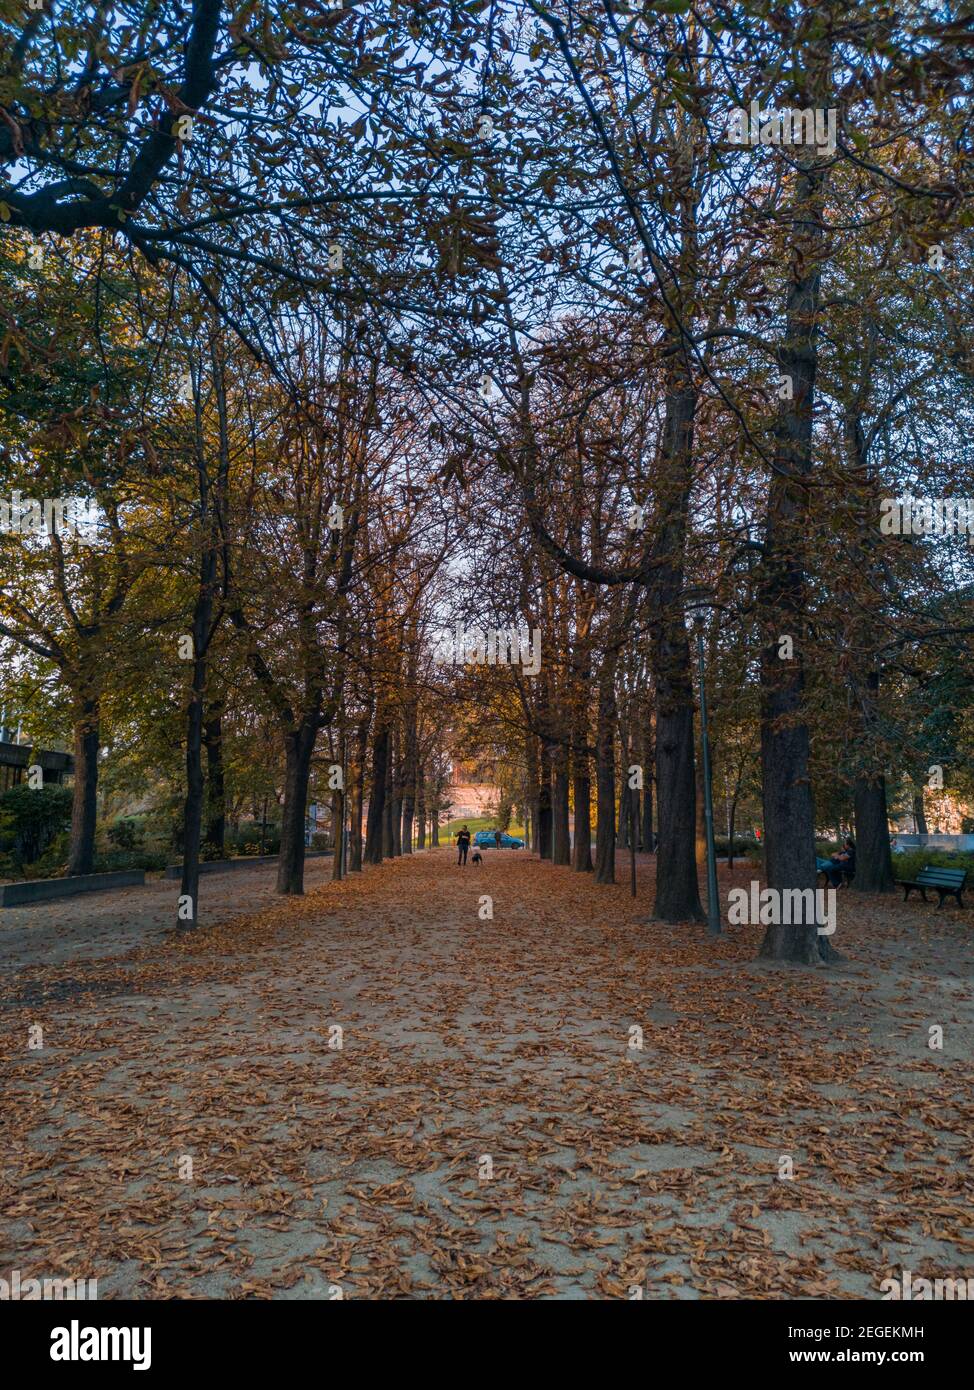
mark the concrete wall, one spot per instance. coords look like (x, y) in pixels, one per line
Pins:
(40, 890)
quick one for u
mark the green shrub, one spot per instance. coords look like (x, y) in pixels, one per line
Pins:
(742, 845)
(826, 848)
(908, 864)
(30, 819)
(126, 833)
(116, 860)
(52, 863)
(246, 838)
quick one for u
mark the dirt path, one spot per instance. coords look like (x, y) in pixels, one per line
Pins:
(485, 1129)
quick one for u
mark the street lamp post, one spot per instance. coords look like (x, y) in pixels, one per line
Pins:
(713, 908)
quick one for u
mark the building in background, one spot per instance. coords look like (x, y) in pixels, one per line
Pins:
(944, 814)
(470, 791)
(17, 754)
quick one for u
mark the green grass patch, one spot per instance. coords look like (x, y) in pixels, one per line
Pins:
(473, 824)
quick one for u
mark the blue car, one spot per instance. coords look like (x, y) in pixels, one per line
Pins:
(487, 839)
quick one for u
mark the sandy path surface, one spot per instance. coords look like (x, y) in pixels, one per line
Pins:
(191, 1126)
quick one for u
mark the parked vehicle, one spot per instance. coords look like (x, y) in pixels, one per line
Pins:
(487, 839)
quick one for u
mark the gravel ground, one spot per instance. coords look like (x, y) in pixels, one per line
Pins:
(380, 1090)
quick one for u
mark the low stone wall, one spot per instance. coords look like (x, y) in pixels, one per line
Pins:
(39, 890)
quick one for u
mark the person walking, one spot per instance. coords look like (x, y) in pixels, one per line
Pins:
(498, 838)
(463, 844)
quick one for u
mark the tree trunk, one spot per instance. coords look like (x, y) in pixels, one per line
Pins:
(562, 843)
(874, 862)
(212, 500)
(391, 811)
(544, 801)
(393, 837)
(421, 805)
(216, 807)
(84, 803)
(358, 794)
(789, 816)
(409, 783)
(299, 746)
(534, 778)
(622, 831)
(338, 831)
(188, 914)
(582, 793)
(647, 818)
(605, 777)
(338, 866)
(677, 887)
(731, 819)
(919, 813)
(377, 794)
(193, 805)
(789, 857)
(392, 829)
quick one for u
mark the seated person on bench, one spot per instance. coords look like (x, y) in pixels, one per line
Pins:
(843, 864)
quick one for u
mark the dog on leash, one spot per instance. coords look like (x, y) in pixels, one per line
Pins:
(478, 858)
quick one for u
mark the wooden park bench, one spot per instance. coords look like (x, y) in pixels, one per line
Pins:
(945, 883)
